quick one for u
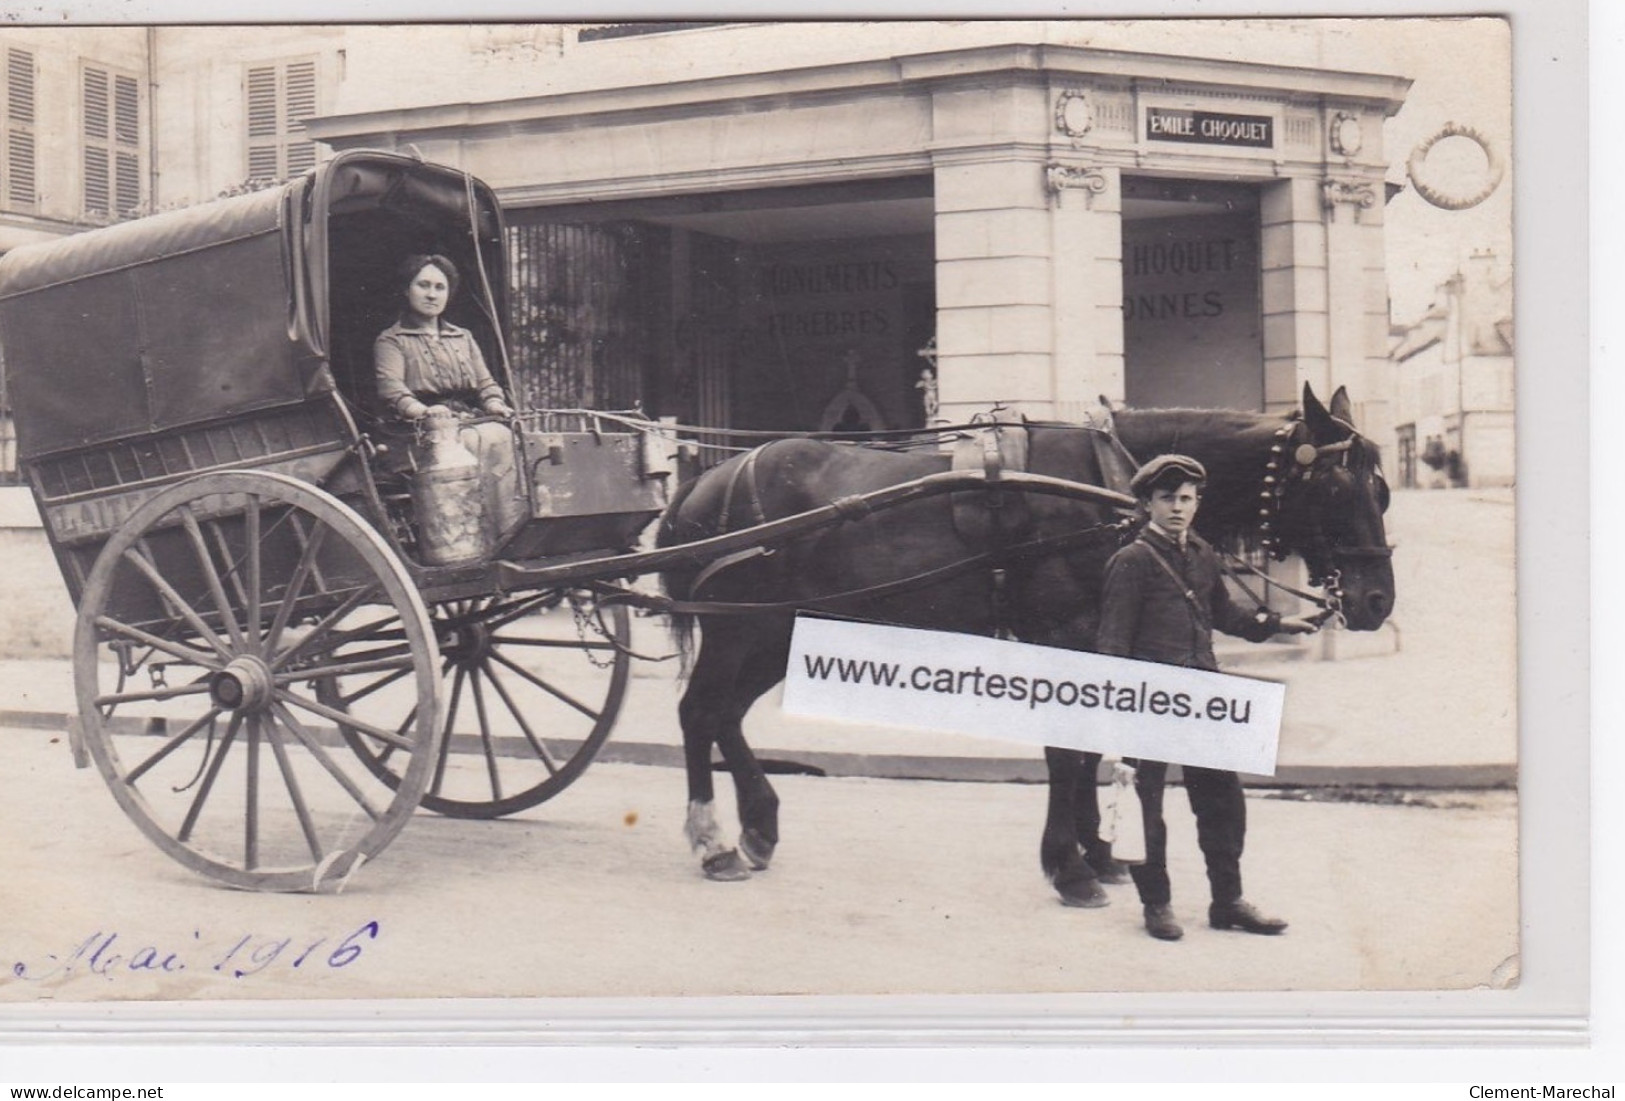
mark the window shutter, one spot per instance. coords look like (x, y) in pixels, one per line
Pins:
(96, 182)
(301, 105)
(20, 161)
(96, 104)
(19, 129)
(112, 139)
(279, 99)
(262, 102)
(126, 111)
(20, 86)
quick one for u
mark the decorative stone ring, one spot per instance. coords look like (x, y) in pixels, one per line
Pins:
(1418, 158)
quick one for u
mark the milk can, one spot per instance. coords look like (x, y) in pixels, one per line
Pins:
(446, 496)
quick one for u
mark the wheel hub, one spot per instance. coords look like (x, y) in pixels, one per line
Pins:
(467, 644)
(243, 685)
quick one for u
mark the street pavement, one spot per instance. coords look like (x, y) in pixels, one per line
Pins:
(881, 884)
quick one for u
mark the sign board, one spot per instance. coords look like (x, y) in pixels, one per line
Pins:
(1036, 695)
(1209, 127)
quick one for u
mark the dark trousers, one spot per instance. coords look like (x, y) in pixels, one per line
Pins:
(1221, 827)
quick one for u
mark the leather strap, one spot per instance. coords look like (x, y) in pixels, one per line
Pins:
(1202, 615)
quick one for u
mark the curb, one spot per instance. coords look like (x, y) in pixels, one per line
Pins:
(988, 770)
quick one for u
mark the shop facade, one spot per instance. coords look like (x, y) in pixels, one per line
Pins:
(886, 242)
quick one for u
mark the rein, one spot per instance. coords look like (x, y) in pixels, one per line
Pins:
(1030, 550)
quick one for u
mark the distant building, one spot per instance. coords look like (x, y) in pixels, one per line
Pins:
(1454, 376)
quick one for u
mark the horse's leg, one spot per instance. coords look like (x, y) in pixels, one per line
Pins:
(707, 699)
(758, 803)
(1086, 805)
(1074, 880)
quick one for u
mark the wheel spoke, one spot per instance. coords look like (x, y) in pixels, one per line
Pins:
(498, 618)
(553, 643)
(306, 824)
(313, 747)
(211, 576)
(173, 649)
(325, 627)
(333, 714)
(170, 746)
(548, 688)
(371, 661)
(445, 740)
(251, 817)
(251, 533)
(168, 692)
(377, 685)
(202, 796)
(185, 610)
(535, 743)
(296, 585)
(233, 574)
(485, 735)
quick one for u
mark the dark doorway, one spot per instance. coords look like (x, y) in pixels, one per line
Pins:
(1192, 320)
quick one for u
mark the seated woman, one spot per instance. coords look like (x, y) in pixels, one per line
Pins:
(428, 368)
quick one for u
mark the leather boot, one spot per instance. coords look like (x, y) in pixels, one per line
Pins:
(1160, 923)
(1243, 915)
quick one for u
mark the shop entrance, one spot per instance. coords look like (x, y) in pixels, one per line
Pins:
(804, 308)
(1192, 322)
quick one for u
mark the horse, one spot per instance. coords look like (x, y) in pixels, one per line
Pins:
(1304, 483)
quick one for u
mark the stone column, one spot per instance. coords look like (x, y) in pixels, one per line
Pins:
(1086, 231)
(995, 329)
(1295, 292)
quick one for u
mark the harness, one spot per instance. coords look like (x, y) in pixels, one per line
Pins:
(993, 517)
(1320, 551)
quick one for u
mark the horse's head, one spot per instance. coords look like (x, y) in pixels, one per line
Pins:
(1330, 497)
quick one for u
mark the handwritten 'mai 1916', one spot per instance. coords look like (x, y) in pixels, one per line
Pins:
(110, 955)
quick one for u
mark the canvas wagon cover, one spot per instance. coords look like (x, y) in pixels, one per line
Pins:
(153, 324)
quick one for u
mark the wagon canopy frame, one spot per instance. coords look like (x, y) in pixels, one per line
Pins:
(224, 309)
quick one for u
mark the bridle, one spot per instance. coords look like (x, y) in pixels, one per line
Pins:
(1292, 463)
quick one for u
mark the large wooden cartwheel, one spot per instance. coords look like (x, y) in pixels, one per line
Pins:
(206, 627)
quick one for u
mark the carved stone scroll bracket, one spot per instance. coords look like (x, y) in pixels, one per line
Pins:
(1060, 178)
(1335, 193)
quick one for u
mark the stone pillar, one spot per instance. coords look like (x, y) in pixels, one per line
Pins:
(1295, 292)
(1086, 230)
(995, 329)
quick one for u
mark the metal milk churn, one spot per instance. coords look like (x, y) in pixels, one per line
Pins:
(446, 496)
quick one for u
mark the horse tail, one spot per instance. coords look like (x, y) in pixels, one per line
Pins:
(677, 582)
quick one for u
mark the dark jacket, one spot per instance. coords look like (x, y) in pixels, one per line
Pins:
(1145, 614)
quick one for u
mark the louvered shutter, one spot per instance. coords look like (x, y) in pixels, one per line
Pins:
(263, 161)
(97, 173)
(112, 143)
(20, 180)
(279, 100)
(300, 100)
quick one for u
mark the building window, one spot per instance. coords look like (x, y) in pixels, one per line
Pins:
(17, 180)
(280, 98)
(112, 114)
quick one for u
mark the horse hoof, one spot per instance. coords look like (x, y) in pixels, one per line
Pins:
(758, 850)
(1085, 893)
(725, 867)
(1110, 871)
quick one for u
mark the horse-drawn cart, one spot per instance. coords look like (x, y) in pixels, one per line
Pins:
(270, 675)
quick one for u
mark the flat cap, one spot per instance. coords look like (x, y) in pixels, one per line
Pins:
(1145, 478)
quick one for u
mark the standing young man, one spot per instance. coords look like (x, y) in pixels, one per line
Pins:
(1164, 597)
